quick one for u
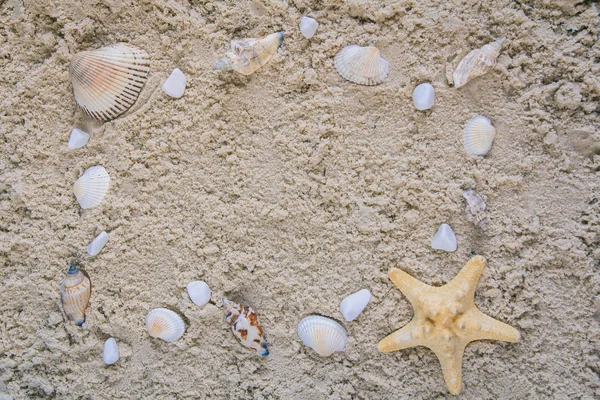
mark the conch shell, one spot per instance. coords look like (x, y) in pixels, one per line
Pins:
(75, 292)
(477, 63)
(248, 55)
(245, 326)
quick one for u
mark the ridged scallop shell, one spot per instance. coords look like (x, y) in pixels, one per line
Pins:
(248, 55)
(164, 324)
(107, 81)
(75, 292)
(362, 65)
(323, 335)
(245, 327)
(91, 187)
(477, 63)
(479, 136)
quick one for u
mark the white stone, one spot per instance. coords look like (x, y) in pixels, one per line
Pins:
(97, 244)
(444, 239)
(78, 139)
(110, 355)
(424, 96)
(354, 304)
(308, 27)
(199, 292)
(174, 86)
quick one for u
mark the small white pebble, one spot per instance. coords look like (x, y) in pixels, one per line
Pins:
(308, 27)
(424, 96)
(444, 239)
(97, 244)
(78, 139)
(199, 292)
(174, 86)
(110, 355)
(354, 304)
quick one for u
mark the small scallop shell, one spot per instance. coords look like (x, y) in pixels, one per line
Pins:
(107, 81)
(477, 63)
(91, 187)
(245, 327)
(479, 136)
(362, 65)
(75, 292)
(248, 55)
(164, 324)
(323, 335)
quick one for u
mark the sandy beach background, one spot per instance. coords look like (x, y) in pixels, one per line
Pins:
(291, 188)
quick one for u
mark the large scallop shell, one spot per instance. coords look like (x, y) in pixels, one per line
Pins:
(164, 324)
(75, 292)
(107, 81)
(477, 63)
(479, 136)
(362, 65)
(248, 55)
(245, 326)
(323, 335)
(91, 187)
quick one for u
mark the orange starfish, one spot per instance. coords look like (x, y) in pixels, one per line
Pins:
(446, 320)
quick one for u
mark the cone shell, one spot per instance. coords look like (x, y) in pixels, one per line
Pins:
(477, 63)
(248, 55)
(362, 65)
(75, 292)
(164, 324)
(245, 327)
(107, 81)
(91, 187)
(323, 335)
(479, 136)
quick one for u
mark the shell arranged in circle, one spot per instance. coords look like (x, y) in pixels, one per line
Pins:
(248, 55)
(479, 136)
(91, 187)
(323, 335)
(164, 324)
(362, 65)
(245, 326)
(107, 81)
(75, 292)
(477, 63)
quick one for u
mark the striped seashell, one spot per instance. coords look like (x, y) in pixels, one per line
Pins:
(164, 324)
(248, 55)
(75, 292)
(91, 187)
(477, 63)
(362, 65)
(245, 326)
(323, 335)
(107, 81)
(479, 136)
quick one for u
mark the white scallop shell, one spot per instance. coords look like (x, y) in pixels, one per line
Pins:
(362, 65)
(323, 335)
(107, 81)
(91, 187)
(479, 136)
(164, 324)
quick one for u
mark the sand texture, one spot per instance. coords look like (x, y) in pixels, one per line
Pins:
(291, 188)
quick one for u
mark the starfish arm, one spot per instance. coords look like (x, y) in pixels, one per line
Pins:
(465, 282)
(410, 287)
(480, 326)
(410, 335)
(451, 362)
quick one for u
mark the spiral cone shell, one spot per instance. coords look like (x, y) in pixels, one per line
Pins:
(477, 63)
(362, 65)
(248, 55)
(75, 292)
(245, 327)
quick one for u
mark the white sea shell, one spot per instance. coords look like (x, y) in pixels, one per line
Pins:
(174, 86)
(199, 292)
(479, 136)
(107, 81)
(444, 239)
(308, 27)
(91, 187)
(323, 335)
(77, 139)
(424, 96)
(95, 247)
(354, 304)
(475, 208)
(164, 324)
(110, 355)
(248, 55)
(362, 65)
(477, 63)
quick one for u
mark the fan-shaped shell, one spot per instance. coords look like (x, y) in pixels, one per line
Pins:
(477, 63)
(75, 292)
(248, 55)
(164, 324)
(107, 81)
(362, 65)
(91, 187)
(323, 335)
(479, 136)
(245, 327)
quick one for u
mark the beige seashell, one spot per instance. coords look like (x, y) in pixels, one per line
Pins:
(323, 335)
(164, 324)
(75, 292)
(245, 326)
(91, 187)
(479, 136)
(477, 63)
(248, 55)
(362, 65)
(107, 81)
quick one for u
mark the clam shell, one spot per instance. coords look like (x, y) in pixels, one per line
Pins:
(107, 81)
(477, 63)
(75, 292)
(362, 65)
(164, 324)
(199, 292)
(248, 55)
(323, 335)
(110, 355)
(245, 327)
(479, 136)
(91, 187)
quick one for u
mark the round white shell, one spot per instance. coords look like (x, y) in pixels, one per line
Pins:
(91, 187)
(424, 96)
(308, 27)
(479, 136)
(164, 324)
(323, 335)
(199, 292)
(354, 304)
(110, 355)
(362, 65)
